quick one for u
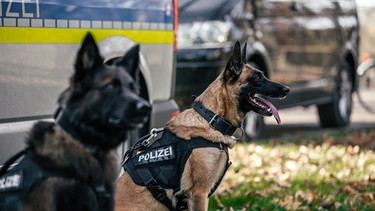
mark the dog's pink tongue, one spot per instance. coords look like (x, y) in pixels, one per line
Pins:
(274, 111)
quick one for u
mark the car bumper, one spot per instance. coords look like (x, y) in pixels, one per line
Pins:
(162, 111)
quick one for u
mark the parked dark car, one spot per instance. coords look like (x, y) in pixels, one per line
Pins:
(311, 46)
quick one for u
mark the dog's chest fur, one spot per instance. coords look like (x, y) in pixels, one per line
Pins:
(54, 148)
(87, 168)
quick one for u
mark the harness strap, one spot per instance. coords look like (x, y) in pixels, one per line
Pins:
(153, 186)
(28, 174)
(227, 165)
(216, 121)
(32, 173)
(11, 161)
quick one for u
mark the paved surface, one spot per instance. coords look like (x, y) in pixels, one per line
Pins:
(301, 120)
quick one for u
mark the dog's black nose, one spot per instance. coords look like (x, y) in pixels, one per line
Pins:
(142, 106)
(286, 90)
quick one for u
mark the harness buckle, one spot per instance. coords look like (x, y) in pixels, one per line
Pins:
(213, 119)
(146, 142)
(153, 133)
(142, 143)
(238, 138)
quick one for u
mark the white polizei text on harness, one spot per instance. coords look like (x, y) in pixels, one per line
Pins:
(11, 182)
(156, 155)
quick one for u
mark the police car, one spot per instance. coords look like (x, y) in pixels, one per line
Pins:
(38, 43)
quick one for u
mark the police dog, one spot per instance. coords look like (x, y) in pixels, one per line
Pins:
(76, 155)
(229, 97)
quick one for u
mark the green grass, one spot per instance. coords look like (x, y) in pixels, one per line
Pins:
(334, 171)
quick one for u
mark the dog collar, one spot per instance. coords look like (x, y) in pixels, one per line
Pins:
(216, 121)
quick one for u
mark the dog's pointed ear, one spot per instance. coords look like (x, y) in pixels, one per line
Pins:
(88, 55)
(130, 61)
(244, 53)
(88, 58)
(235, 64)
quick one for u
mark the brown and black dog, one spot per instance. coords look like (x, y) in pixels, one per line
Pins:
(227, 99)
(71, 164)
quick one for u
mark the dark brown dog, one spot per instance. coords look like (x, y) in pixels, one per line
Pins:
(230, 97)
(72, 164)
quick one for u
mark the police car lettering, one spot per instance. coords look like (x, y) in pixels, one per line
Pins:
(155, 155)
(11, 182)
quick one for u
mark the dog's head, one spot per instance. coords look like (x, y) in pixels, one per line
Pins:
(102, 101)
(249, 84)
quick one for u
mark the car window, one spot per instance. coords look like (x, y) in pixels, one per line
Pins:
(195, 10)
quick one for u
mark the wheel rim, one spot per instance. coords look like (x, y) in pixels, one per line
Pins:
(345, 95)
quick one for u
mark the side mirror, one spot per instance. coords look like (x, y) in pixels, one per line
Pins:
(244, 11)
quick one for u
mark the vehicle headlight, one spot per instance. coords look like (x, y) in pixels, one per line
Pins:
(208, 32)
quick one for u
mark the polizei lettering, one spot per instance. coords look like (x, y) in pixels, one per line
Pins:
(11, 182)
(155, 155)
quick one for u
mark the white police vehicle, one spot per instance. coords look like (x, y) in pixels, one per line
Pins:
(39, 40)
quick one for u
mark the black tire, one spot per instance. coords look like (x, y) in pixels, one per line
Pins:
(337, 113)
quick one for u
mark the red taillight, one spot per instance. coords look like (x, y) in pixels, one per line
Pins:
(175, 113)
(366, 56)
(175, 24)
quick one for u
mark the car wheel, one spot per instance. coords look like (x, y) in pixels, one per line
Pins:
(337, 113)
(253, 126)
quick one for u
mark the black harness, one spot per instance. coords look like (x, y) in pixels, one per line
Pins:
(16, 183)
(159, 166)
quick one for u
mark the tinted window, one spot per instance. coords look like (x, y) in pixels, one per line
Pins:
(195, 10)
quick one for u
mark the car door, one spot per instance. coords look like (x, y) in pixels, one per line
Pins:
(319, 49)
(276, 21)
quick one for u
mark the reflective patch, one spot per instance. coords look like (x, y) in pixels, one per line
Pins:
(69, 36)
(11, 182)
(155, 155)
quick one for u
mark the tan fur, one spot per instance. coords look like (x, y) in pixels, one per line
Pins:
(205, 165)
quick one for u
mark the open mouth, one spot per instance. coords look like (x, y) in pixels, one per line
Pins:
(265, 107)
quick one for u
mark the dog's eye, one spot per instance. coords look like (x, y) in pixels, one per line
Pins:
(257, 77)
(111, 86)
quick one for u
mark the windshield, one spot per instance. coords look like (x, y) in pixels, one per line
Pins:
(196, 10)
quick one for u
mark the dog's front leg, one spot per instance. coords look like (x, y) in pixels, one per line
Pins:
(198, 200)
(195, 183)
(202, 170)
